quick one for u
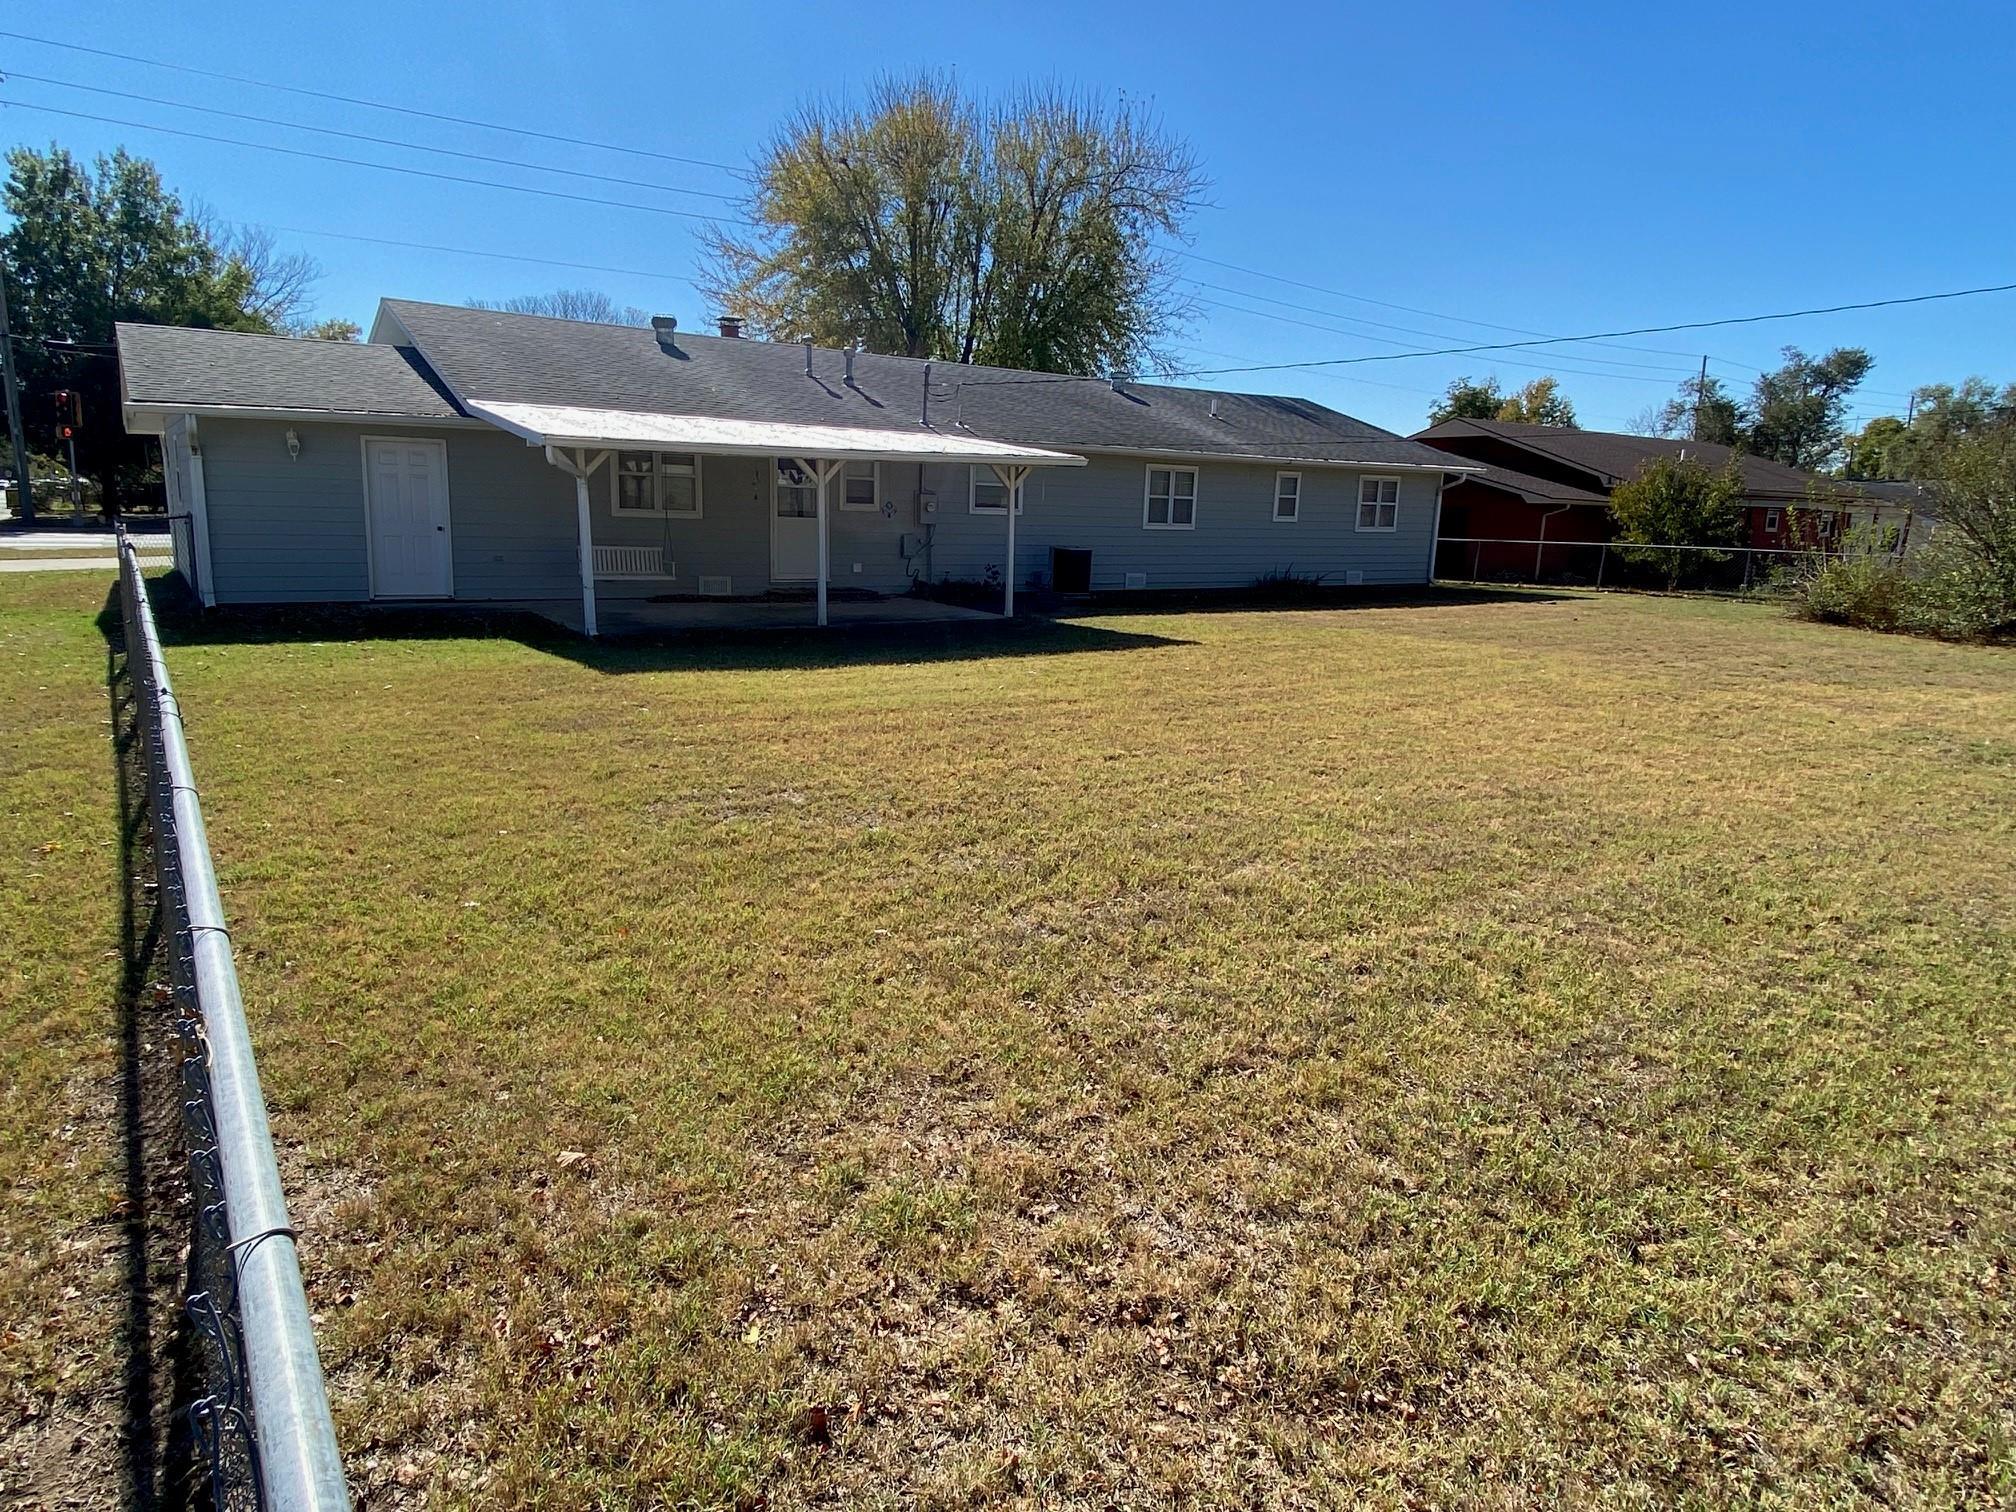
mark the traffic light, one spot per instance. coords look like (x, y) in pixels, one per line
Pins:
(69, 406)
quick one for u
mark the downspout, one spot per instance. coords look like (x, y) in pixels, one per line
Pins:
(1542, 545)
(1435, 531)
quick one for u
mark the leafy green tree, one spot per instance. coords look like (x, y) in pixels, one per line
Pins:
(1701, 411)
(1675, 502)
(1540, 402)
(1468, 400)
(1876, 450)
(1794, 415)
(926, 224)
(335, 328)
(89, 246)
(1797, 411)
(1972, 478)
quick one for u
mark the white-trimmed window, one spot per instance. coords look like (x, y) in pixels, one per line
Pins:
(1169, 499)
(861, 486)
(1378, 503)
(1287, 497)
(1772, 520)
(986, 493)
(655, 483)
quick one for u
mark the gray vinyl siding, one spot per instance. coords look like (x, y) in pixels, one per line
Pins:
(284, 530)
(287, 530)
(730, 539)
(1236, 539)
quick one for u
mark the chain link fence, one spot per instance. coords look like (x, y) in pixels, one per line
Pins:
(1613, 564)
(261, 1422)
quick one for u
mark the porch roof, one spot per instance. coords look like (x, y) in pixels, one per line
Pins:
(566, 425)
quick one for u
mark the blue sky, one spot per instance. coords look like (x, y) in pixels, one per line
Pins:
(1557, 169)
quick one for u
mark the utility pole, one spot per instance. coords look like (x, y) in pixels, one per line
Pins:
(1700, 389)
(19, 442)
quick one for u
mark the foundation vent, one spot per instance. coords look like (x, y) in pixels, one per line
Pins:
(716, 585)
(1137, 580)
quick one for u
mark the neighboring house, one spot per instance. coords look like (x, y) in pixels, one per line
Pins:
(1787, 509)
(1488, 517)
(467, 454)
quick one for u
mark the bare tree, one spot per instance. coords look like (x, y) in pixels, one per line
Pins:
(282, 283)
(569, 304)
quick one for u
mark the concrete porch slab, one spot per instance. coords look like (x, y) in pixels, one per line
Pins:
(642, 617)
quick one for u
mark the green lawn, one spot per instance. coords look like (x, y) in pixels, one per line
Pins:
(1551, 1050)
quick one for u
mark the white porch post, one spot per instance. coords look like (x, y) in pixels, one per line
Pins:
(1012, 479)
(579, 464)
(823, 474)
(587, 553)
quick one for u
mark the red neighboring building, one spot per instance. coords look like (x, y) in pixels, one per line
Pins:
(1562, 478)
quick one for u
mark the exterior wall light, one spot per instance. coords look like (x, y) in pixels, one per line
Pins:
(294, 443)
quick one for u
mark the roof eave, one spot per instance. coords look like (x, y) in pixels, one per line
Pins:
(147, 417)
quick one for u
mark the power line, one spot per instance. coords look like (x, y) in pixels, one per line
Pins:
(1684, 325)
(429, 173)
(321, 94)
(359, 136)
(413, 246)
(1412, 351)
(1667, 372)
(1501, 346)
(1387, 304)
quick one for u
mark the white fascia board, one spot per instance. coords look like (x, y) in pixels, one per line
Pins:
(557, 425)
(146, 419)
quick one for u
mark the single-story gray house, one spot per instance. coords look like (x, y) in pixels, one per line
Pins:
(470, 455)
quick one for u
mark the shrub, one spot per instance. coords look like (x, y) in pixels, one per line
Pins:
(1866, 590)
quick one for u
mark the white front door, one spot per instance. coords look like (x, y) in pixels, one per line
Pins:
(794, 524)
(406, 505)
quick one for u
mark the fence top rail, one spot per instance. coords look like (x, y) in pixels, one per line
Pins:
(297, 1465)
(1640, 546)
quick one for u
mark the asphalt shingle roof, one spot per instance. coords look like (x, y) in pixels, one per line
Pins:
(1540, 490)
(178, 365)
(530, 359)
(1615, 457)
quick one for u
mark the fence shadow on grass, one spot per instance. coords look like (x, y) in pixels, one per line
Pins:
(159, 1364)
(183, 623)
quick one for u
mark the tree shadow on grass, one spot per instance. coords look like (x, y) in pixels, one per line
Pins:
(182, 622)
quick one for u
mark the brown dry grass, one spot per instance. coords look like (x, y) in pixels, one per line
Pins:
(1482, 1053)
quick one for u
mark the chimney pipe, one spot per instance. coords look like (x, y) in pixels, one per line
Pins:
(850, 367)
(808, 357)
(665, 328)
(731, 327)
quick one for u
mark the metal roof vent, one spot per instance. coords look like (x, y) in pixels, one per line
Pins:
(1214, 407)
(666, 329)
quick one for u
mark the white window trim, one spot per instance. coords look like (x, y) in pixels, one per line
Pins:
(616, 491)
(1358, 516)
(973, 481)
(874, 505)
(1772, 520)
(1287, 519)
(1147, 476)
